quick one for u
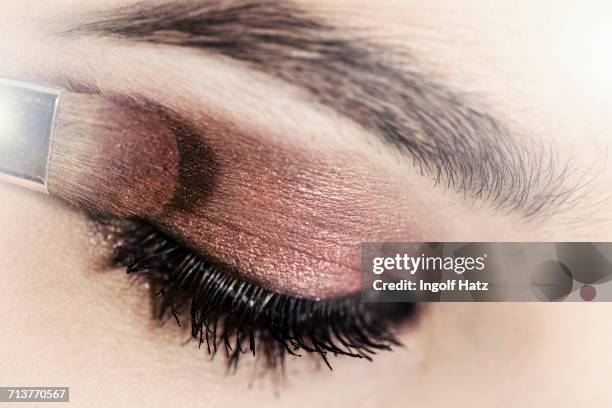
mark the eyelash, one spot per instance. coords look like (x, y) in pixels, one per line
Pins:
(239, 317)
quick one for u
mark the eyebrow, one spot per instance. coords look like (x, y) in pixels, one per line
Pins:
(383, 89)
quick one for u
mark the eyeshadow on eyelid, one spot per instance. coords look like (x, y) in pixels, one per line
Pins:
(288, 217)
(285, 216)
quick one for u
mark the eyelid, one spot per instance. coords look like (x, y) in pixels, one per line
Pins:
(307, 209)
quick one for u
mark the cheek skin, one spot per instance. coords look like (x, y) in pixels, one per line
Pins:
(288, 218)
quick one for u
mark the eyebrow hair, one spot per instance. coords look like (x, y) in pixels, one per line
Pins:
(454, 142)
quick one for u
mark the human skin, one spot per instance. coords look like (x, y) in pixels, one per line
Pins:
(67, 320)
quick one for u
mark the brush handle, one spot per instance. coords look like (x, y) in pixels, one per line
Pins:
(27, 115)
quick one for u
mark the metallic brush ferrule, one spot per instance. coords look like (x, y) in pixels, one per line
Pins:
(27, 114)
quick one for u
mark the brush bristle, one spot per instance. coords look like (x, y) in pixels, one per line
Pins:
(112, 156)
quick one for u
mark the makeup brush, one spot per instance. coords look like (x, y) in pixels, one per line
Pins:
(107, 154)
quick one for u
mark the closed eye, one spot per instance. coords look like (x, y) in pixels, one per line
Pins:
(228, 314)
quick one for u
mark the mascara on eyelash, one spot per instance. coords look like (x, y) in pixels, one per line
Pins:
(101, 153)
(236, 317)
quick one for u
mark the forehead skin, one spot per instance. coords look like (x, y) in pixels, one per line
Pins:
(68, 325)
